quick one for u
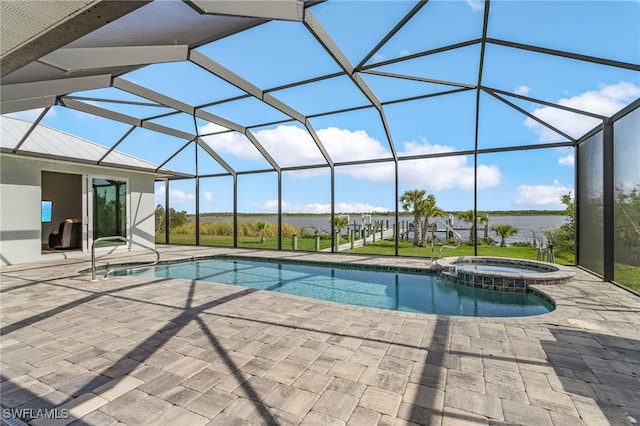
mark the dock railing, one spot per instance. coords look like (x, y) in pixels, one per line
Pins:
(123, 239)
(447, 229)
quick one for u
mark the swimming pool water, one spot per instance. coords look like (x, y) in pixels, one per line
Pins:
(409, 292)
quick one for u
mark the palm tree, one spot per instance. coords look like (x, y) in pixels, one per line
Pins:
(481, 218)
(429, 209)
(504, 231)
(340, 222)
(412, 202)
(263, 228)
(468, 217)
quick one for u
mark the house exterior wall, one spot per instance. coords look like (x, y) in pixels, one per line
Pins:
(21, 230)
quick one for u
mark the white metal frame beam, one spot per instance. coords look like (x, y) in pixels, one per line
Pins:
(212, 118)
(215, 68)
(183, 107)
(24, 96)
(325, 40)
(286, 10)
(143, 92)
(101, 112)
(27, 104)
(88, 58)
(215, 156)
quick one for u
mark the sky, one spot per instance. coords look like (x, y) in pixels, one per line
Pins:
(279, 53)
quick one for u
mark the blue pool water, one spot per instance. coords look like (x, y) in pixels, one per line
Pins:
(424, 292)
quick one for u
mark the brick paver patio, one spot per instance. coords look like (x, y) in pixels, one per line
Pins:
(136, 351)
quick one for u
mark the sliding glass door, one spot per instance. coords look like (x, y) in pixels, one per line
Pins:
(109, 208)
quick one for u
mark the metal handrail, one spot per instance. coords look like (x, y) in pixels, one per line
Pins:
(453, 231)
(117, 238)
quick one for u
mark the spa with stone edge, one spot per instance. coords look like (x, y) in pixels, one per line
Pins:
(500, 273)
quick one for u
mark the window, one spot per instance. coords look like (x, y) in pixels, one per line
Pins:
(109, 208)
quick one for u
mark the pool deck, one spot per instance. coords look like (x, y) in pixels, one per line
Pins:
(132, 350)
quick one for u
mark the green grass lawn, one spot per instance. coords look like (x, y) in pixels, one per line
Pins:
(627, 275)
(380, 247)
(406, 248)
(304, 244)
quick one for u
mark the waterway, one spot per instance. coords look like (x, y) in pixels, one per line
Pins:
(529, 227)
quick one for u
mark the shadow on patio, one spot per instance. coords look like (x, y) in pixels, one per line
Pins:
(595, 367)
(27, 395)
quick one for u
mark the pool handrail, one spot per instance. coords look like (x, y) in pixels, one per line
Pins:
(447, 227)
(126, 240)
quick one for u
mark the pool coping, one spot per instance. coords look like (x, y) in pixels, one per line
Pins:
(336, 264)
(433, 269)
(549, 273)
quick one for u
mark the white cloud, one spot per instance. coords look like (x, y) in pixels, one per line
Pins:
(175, 196)
(522, 90)
(433, 174)
(292, 145)
(208, 196)
(475, 4)
(341, 207)
(607, 100)
(211, 128)
(567, 160)
(233, 143)
(159, 194)
(541, 195)
(404, 52)
(346, 145)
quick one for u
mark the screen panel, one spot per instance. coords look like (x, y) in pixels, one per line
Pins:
(590, 204)
(626, 208)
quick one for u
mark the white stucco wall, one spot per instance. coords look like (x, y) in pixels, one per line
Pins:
(20, 195)
(19, 212)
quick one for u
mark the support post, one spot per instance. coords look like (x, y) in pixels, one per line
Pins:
(608, 199)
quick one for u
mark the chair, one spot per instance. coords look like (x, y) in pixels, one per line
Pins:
(68, 235)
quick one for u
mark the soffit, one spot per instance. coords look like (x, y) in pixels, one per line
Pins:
(23, 21)
(159, 23)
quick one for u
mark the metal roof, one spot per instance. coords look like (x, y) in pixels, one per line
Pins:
(22, 137)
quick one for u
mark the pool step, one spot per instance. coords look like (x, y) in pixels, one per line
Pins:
(447, 271)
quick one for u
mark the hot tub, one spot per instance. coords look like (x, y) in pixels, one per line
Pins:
(500, 273)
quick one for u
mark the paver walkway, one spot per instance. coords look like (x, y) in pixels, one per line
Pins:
(136, 351)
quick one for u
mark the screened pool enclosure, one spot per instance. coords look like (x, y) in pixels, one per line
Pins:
(302, 124)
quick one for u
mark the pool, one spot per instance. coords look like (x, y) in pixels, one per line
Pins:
(501, 273)
(422, 292)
